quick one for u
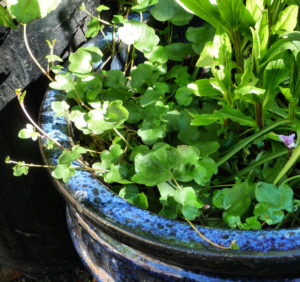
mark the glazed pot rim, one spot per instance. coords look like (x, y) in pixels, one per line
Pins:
(98, 203)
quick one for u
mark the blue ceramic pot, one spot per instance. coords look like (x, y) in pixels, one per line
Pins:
(126, 243)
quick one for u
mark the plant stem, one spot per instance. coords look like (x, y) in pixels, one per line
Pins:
(30, 165)
(237, 49)
(52, 166)
(32, 56)
(18, 93)
(177, 184)
(122, 137)
(259, 115)
(240, 145)
(294, 157)
(206, 239)
(292, 104)
(290, 179)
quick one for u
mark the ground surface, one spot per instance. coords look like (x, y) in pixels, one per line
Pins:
(79, 274)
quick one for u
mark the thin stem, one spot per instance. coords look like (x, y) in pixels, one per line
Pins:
(122, 137)
(290, 179)
(52, 166)
(32, 56)
(106, 61)
(141, 17)
(259, 115)
(92, 16)
(132, 57)
(177, 184)
(126, 63)
(29, 165)
(206, 239)
(80, 101)
(18, 93)
(292, 104)
(294, 157)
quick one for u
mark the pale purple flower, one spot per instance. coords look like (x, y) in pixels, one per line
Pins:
(288, 140)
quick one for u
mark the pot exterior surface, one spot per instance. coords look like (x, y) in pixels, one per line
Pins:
(109, 260)
(261, 252)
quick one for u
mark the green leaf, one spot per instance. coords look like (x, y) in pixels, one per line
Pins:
(166, 190)
(157, 55)
(190, 212)
(112, 156)
(96, 122)
(142, 5)
(115, 112)
(251, 223)
(184, 96)
(78, 117)
(64, 172)
(139, 34)
(135, 112)
(63, 81)
(205, 169)
(67, 157)
(152, 135)
(287, 20)
(186, 170)
(131, 193)
(27, 11)
(275, 73)
(204, 88)
(199, 36)
(102, 8)
(155, 166)
(50, 144)
(53, 58)
(81, 61)
(255, 8)
(170, 208)
(234, 14)
(60, 108)
(250, 93)
(281, 198)
(202, 119)
(218, 198)
(268, 213)
(93, 28)
(114, 79)
(180, 74)
(234, 115)
(151, 96)
(179, 51)
(233, 221)
(188, 197)
(20, 168)
(5, 18)
(204, 10)
(237, 200)
(169, 10)
(117, 174)
(143, 74)
(29, 132)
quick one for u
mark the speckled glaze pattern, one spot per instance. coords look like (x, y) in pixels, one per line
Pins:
(110, 260)
(261, 252)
